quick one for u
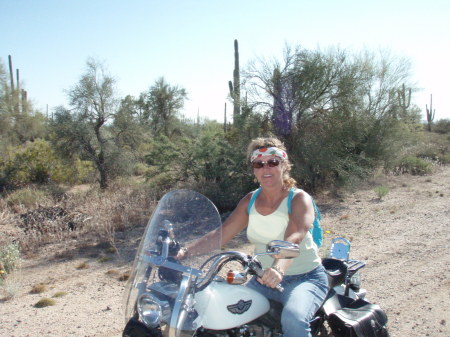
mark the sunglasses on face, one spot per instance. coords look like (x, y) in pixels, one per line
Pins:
(271, 163)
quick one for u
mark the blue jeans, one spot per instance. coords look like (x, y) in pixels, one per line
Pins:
(302, 296)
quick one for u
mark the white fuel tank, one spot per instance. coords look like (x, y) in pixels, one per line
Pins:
(224, 306)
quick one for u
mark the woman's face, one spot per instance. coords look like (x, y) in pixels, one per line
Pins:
(271, 174)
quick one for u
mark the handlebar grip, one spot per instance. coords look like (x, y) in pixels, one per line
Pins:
(259, 272)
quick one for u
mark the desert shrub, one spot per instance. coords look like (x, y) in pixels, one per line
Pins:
(36, 162)
(45, 302)
(82, 265)
(207, 163)
(124, 204)
(334, 150)
(381, 191)
(162, 181)
(433, 146)
(444, 159)
(60, 294)
(441, 126)
(436, 152)
(119, 162)
(124, 276)
(139, 169)
(413, 165)
(10, 285)
(10, 269)
(75, 171)
(104, 258)
(112, 272)
(6, 216)
(38, 288)
(55, 191)
(31, 163)
(9, 258)
(28, 197)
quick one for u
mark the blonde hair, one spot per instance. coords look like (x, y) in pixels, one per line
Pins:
(260, 143)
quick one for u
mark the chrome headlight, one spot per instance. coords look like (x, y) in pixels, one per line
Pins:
(152, 310)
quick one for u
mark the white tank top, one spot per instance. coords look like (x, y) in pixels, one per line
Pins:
(264, 228)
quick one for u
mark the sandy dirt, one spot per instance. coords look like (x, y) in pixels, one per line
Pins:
(404, 238)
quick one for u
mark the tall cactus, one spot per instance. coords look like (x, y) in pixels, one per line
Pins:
(235, 86)
(404, 100)
(11, 76)
(430, 112)
(15, 90)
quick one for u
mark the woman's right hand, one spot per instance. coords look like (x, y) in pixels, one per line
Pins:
(182, 254)
(271, 278)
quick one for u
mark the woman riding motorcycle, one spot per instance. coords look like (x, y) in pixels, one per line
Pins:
(264, 213)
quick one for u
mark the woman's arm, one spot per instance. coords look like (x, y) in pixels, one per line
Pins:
(301, 218)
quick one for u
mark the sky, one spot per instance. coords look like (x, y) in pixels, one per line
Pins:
(190, 42)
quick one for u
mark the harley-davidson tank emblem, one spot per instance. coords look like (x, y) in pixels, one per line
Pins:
(240, 307)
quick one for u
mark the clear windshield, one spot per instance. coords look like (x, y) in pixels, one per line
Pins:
(181, 217)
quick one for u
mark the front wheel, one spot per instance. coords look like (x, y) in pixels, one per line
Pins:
(134, 328)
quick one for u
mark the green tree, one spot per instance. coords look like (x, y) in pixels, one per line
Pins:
(164, 103)
(129, 124)
(337, 111)
(84, 127)
(205, 161)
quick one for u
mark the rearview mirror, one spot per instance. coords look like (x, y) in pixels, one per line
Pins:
(283, 249)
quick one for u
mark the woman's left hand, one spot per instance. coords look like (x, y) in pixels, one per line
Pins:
(271, 278)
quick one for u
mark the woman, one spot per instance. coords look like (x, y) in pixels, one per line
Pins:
(266, 218)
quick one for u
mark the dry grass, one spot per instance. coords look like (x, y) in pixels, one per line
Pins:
(113, 273)
(91, 212)
(104, 258)
(111, 250)
(5, 216)
(38, 288)
(82, 265)
(10, 286)
(45, 302)
(125, 276)
(60, 294)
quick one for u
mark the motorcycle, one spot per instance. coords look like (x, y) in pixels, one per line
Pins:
(197, 297)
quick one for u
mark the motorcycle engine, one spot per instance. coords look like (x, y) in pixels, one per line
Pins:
(247, 330)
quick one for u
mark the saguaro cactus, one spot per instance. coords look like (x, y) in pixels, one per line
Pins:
(430, 112)
(11, 76)
(235, 86)
(404, 99)
(15, 90)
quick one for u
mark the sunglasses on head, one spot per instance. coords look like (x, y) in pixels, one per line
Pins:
(271, 163)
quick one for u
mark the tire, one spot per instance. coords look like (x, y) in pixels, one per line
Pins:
(135, 328)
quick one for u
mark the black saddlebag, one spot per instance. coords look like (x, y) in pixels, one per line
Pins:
(359, 319)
